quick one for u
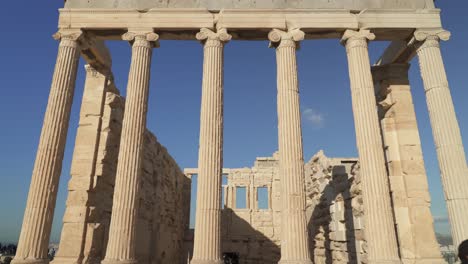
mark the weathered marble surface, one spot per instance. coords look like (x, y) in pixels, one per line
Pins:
(267, 4)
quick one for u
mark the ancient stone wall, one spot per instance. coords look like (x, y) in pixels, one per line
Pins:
(163, 213)
(250, 230)
(163, 216)
(334, 211)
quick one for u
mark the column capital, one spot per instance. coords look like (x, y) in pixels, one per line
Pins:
(432, 34)
(210, 37)
(73, 37)
(72, 34)
(352, 38)
(290, 38)
(426, 38)
(142, 38)
(394, 71)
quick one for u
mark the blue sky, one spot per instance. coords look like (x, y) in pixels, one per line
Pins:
(28, 55)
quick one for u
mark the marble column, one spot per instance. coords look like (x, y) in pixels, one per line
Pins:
(378, 215)
(294, 234)
(445, 129)
(207, 240)
(405, 163)
(122, 231)
(35, 233)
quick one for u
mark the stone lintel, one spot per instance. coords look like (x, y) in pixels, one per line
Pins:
(216, 5)
(194, 171)
(403, 51)
(396, 72)
(178, 23)
(98, 56)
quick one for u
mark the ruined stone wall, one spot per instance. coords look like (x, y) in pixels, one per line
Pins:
(334, 211)
(163, 216)
(163, 213)
(251, 230)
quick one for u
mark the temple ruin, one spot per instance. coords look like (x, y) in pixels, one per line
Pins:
(128, 200)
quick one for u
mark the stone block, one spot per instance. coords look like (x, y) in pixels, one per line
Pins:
(75, 214)
(71, 240)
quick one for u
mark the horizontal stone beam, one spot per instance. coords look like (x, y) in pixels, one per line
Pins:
(98, 56)
(194, 171)
(251, 24)
(216, 5)
(399, 51)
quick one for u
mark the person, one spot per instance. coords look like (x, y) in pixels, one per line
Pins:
(463, 252)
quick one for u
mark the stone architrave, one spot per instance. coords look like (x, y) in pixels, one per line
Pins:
(445, 129)
(294, 235)
(122, 232)
(378, 217)
(405, 163)
(207, 240)
(37, 223)
(83, 178)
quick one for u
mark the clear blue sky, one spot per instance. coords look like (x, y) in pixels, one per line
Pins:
(28, 55)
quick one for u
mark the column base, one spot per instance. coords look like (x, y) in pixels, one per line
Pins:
(29, 261)
(295, 261)
(119, 261)
(203, 261)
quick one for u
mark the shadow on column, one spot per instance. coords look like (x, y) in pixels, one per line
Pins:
(326, 243)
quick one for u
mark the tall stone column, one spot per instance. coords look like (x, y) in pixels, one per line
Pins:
(35, 233)
(207, 241)
(405, 163)
(445, 129)
(122, 231)
(294, 234)
(379, 224)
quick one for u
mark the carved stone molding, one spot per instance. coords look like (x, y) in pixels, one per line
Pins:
(142, 38)
(71, 38)
(71, 35)
(430, 38)
(353, 38)
(279, 38)
(210, 38)
(85, 40)
(439, 34)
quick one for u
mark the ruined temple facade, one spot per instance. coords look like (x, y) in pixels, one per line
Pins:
(127, 200)
(334, 211)
(252, 234)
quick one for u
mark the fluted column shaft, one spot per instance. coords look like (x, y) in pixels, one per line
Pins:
(380, 226)
(35, 233)
(207, 241)
(294, 235)
(123, 226)
(446, 132)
